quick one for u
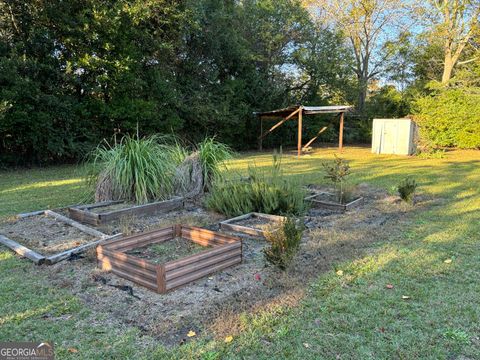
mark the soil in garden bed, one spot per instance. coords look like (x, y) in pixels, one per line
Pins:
(256, 222)
(166, 251)
(44, 234)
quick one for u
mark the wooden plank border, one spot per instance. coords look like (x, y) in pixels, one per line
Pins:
(226, 251)
(40, 259)
(83, 214)
(330, 205)
(229, 225)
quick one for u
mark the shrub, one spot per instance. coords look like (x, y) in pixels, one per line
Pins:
(267, 192)
(337, 172)
(406, 189)
(450, 117)
(284, 242)
(135, 169)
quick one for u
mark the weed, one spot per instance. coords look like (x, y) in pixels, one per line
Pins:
(406, 190)
(337, 172)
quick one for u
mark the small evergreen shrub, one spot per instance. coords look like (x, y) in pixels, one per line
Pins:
(284, 242)
(337, 172)
(406, 190)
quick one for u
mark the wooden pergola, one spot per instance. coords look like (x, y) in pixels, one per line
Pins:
(298, 111)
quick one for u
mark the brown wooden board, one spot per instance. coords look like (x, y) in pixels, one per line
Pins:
(330, 205)
(225, 251)
(83, 214)
(40, 259)
(232, 224)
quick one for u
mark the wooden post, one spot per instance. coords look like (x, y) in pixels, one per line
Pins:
(299, 145)
(260, 144)
(340, 133)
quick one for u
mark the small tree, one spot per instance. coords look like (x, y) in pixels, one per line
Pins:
(337, 172)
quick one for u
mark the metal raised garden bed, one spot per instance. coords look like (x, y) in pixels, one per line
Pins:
(235, 224)
(84, 214)
(224, 251)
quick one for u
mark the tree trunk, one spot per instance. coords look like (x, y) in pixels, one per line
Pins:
(362, 94)
(447, 67)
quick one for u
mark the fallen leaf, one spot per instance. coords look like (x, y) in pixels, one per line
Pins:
(258, 277)
(72, 350)
(405, 297)
(382, 329)
(191, 333)
(389, 286)
(229, 339)
(306, 345)
(340, 272)
(448, 261)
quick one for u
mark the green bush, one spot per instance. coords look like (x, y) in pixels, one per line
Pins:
(406, 190)
(266, 192)
(284, 243)
(450, 118)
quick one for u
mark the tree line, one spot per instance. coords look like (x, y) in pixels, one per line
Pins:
(75, 72)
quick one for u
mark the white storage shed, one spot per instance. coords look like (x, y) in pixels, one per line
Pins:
(394, 136)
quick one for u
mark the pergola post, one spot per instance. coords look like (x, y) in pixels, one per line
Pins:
(340, 133)
(299, 145)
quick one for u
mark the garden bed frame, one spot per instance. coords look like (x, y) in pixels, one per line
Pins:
(83, 214)
(40, 259)
(226, 251)
(330, 205)
(230, 224)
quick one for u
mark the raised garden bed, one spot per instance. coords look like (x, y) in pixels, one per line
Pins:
(104, 212)
(325, 200)
(118, 256)
(48, 237)
(251, 224)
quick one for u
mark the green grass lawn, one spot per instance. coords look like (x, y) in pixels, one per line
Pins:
(432, 312)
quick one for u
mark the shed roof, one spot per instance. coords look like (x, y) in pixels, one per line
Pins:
(307, 110)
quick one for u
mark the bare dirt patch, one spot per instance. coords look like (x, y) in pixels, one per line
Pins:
(212, 306)
(44, 234)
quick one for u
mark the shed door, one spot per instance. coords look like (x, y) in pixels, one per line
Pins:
(389, 137)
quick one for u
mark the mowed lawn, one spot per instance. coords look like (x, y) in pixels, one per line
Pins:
(433, 263)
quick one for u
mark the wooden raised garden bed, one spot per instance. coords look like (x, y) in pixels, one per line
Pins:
(93, 215)
(251, 223)
(39, 258)
(223, 251)
(325, 200)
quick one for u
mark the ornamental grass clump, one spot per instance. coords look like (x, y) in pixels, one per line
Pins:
(284, 243)
(135, 169)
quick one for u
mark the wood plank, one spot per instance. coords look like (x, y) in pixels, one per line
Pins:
(199, 274)
(314, 138)
(340, 132)
(79, 249)
(280, 123)
(161, 281)
(29, 214)
(98, 204)
(22, 250)
(300, 130)
(79, 226)
(209, 239)
(160, 206)
(171, 265)
(184, 270)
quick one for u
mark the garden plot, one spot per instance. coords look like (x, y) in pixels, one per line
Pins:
(213, 306)
(106, 212)
(48, 236)
(255, 224)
